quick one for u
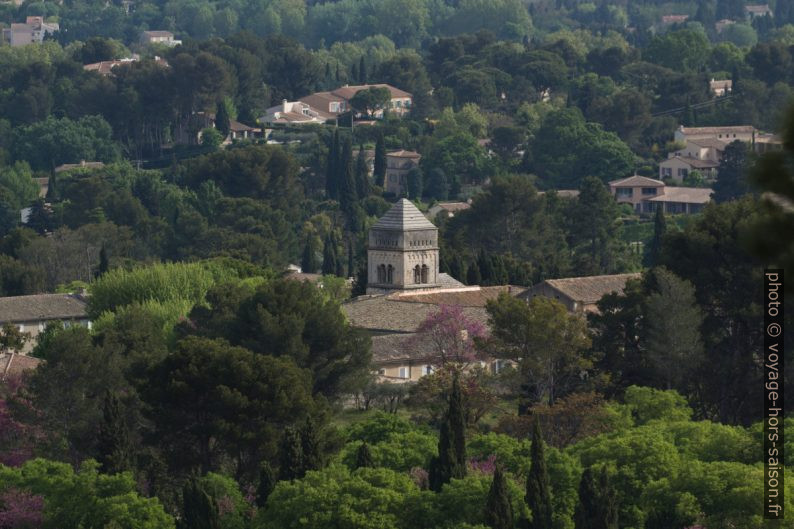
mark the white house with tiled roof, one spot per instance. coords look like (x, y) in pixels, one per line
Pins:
(646, 194)
(30, 314)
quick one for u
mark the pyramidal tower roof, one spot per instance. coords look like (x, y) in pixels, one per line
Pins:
(403, 216)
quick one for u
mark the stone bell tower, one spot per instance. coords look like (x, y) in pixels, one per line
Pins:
(402, 251)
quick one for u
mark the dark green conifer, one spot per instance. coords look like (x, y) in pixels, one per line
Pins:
(659, 229)
(348, 194)
(597, 507)
(364, 456)
(309, 257)
(473, 276)
(332, 167)
(115, 446)
(498, 511)
(222, 119)
(538, 494)
(311, 446)
(267, 482)
(379, 170)
(362, 174)
(199, 509)
(362, 71)
(451, 460)
(329, 256)
(291, 455)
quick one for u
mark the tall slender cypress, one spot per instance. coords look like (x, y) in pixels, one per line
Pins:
(310, 445)
(332, 167)
(538, 494)
(364, 456)
(362, 71)
(362, 173)
(498, 511)
(597, 507)
(115, 447)
(379, 170)
(291, 456)
(451, 460)
(329, 255)
(659, 229)
(347, 179)
(199, 510)
(267, 482)
(309, 257)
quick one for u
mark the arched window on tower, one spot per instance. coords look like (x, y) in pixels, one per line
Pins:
(390, 274)
(417, 274)
(425, 272)
(382, 274)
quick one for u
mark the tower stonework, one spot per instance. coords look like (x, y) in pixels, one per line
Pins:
(402, 251)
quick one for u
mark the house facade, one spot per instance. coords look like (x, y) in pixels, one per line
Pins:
(635, 189)
(678, 168)
(720, 87)
(31, 314)
(337, 101)
(165, 38)
(398, 165)
(31, 32)
(726, 134)
(645, 195)
(294, 113)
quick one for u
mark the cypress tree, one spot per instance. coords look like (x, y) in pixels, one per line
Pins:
(362, 174)
(199, 510)
(364, 456)
(291, 456)
(379, 170)
(351, 262)
(597, 506)
(115, 447)
(486, 268)
(329, 256)
(538, 495)
(362, 70)
(104, 262)
(498, 511)
(267, 482)
(347, 180)
(309, 257)
(473, 276)
(659, 229)
(354, 72)
(451, 460)
(310, 446)
(437, 184)
(222, 120)
(332, 168)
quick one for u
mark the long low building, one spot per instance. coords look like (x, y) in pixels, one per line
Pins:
(579, 294)
(31, 314)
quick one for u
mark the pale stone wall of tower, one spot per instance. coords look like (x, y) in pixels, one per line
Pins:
(403, 251)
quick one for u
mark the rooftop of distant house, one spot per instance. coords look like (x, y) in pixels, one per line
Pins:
(688, 195)
(697, 163)
(404, 154)
(82, 165)
(158, 34)
(12, 364)
(758, 9)
(589, 290)
(713, 143)
(674, 19)
(716, 130)
(348, 91)
(41, 307)
(636, 181)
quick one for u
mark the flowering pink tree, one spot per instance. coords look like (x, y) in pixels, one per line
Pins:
(451, 335)
(20, 509)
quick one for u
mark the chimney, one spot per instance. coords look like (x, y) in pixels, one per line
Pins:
(284, 105)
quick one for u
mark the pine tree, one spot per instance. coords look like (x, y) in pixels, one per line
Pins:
(291, 455)
(309, 257)
(659, 229)
(498, 511)
(115, 447)
(451, 460)
(362, 173)
(329, 255)
(379, 170)
(347, 179)
(538, 495)
(362, 71)
(222, 120)
(351, 262)
(199, 510)
(267, 482)
(310, 446)
(597, 506)
(364, 456)
(332, 168)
